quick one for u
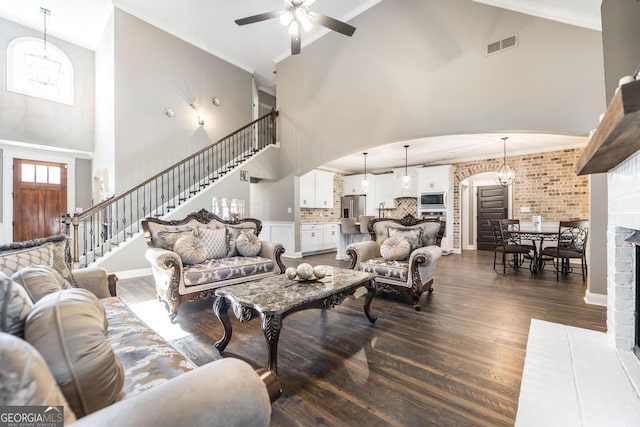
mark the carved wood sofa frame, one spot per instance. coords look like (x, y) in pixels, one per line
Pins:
(172, 295)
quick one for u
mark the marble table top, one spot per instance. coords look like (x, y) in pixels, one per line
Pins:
(277, 294)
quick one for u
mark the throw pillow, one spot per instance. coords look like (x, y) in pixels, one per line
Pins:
(413, 236)
(190, 249)
(248, 244)
(69, 329)
(15, 305)
(15, 260)
(59, 254)
(395, 248)
(168, 236)
(215, 241)
(40, 280)
(233, 231)
(26, 378)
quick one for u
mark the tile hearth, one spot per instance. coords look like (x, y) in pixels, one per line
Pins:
(576, 377)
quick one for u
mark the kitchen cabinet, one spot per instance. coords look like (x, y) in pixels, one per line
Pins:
(412, 191)
(435, 178)
(329, 236)
(281, 232)
(353, 184)
(384, 191)
(316, 189)
(318, 237)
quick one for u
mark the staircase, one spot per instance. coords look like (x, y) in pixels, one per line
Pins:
(105, 226)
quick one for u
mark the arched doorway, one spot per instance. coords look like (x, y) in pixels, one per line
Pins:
(479, 196)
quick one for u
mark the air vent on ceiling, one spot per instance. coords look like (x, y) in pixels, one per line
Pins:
(500, 45)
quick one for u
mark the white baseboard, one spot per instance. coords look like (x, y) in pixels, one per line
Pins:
(131, 274)
(292, 255)
(595, 299)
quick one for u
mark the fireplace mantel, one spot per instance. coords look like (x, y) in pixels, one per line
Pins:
(618, 134)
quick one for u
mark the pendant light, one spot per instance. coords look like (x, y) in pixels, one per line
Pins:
(406, 179)
(43, 71)
(365, 181)
(506, 173)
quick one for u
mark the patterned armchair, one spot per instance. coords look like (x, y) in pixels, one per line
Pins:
(403, 253)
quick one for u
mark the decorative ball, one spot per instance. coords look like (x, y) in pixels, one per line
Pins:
(291, 273)
(320, 271)
(305, 271)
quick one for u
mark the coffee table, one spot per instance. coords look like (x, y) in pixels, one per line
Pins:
(274, 298)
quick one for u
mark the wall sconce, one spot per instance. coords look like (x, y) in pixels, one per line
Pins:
(169, 112)
(200, 121)
(216, 101)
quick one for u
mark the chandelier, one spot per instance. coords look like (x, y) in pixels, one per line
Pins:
(506, 173)
(43, 71)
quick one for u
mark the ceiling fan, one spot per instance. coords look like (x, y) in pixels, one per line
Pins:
(297, 16)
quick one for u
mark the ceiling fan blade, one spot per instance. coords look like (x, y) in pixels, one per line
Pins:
(260, 17)
(332, 24)
(296, 42)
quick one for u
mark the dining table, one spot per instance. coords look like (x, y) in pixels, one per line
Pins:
(537, 236)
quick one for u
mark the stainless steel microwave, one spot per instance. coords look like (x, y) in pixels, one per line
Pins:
(435, 200)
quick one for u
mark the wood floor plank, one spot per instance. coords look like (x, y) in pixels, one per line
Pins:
(458, 362)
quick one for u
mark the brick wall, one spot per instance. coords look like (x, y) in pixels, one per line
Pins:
(546, 182)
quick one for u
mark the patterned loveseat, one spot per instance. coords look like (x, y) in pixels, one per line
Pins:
(417, 245)
(192, 257)
(66, 342)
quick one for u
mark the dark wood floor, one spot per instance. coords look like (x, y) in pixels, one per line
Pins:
(458, 362)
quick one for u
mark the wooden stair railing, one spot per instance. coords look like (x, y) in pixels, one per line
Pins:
(109, 223)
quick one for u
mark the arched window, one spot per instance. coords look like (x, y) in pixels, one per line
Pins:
(36, 70)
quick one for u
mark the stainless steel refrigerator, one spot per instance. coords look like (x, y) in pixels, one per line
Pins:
(353, 206)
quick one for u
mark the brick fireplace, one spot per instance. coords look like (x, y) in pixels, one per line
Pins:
(624, 219)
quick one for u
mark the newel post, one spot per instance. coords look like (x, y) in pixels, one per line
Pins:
(75, 222)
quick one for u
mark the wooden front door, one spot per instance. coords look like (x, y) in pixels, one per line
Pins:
(39, 199)
(492, 204)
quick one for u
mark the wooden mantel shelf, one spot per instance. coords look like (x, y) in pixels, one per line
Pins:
(618, 134)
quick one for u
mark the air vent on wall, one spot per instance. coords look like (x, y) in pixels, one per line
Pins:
(500, 45)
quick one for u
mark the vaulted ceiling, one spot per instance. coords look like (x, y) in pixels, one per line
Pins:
(257, 48)
(209, 24)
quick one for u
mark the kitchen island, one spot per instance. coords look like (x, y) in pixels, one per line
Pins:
(345, 240)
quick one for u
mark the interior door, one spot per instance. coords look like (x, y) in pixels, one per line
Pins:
(39, 199)
(493, 203)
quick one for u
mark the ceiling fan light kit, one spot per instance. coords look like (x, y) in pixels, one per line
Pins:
(296, 15)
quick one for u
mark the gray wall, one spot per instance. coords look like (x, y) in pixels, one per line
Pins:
(417, 68)
(104, 154)
(38, 121)
(83, 183)
(621, 40)
(153, 71)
